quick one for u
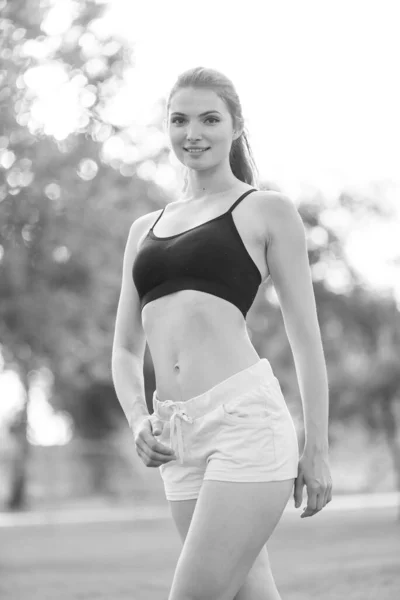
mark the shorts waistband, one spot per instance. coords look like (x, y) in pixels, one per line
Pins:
(234, 386)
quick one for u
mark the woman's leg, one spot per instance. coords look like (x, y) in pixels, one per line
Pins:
(230, 526)
(259, 583)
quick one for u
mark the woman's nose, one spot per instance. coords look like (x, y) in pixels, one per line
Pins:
(192, 133)
(193, 138)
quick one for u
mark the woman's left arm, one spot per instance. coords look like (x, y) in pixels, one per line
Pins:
(290, 271)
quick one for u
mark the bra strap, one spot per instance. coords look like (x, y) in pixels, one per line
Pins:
(241, 198)
(159, 217)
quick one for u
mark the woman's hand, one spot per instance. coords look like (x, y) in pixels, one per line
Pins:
(151, 451)
(314, 472)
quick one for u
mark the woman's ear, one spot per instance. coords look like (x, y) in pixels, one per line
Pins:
(238, 129)
(237, 134)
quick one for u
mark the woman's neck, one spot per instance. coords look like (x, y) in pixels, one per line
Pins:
(204, 191)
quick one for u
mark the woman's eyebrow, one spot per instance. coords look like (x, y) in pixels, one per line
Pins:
(201, 115)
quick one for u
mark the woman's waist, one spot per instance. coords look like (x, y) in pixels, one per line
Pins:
(191, 311)
(198, 369)
(204, 326)
(195, 341)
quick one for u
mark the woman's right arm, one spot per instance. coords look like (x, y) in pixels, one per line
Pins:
(127, 358)
(129, 339)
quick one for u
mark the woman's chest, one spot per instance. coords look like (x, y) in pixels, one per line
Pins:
(239, 235)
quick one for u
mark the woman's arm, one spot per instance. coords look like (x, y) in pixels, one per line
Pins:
(128, 379)
(290, 271)
(289, 267)
(129, 339)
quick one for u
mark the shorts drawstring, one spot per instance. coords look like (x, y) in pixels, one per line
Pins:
(176, 427)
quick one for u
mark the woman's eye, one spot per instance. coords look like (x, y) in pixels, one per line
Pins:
(175, 119)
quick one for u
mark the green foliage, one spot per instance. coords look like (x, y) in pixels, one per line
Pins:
(65, 211)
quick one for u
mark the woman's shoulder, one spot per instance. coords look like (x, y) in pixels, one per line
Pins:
(277, 210)
(140, 227)
(275, 201)
(145, 220)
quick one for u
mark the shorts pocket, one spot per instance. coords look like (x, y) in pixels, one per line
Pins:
(249, 409)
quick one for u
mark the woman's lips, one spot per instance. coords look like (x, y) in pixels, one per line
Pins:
(202, 150)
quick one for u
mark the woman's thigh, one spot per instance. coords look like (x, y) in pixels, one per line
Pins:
(182, 513)
(231, 523)
(259, 582)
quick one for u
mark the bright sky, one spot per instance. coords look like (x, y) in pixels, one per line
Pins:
(320, 91)
(317, 80)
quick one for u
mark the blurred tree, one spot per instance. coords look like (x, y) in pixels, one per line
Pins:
(65, 212)
(96, 412)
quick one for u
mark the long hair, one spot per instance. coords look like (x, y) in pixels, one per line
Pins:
(241, 157)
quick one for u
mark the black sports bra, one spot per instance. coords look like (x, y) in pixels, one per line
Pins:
(210, 257)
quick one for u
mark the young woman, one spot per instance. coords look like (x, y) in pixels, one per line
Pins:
(226, 445)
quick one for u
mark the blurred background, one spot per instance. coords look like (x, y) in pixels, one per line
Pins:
(83, 88)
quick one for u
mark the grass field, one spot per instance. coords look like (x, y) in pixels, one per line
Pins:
(337, 555)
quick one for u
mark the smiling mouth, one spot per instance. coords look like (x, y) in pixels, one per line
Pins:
(199, 151)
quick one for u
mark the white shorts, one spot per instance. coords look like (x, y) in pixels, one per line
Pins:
(239, 430)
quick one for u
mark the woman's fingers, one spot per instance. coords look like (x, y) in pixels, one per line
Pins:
(312, 499)
(318, 498)
(328, 495)
(155, 445)
(151, 459)
(156, 425)
(149, 462)
(150, 450)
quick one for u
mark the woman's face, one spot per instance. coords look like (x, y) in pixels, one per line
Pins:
(188, 126)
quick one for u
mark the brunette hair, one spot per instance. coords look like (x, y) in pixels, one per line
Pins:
(240, 157)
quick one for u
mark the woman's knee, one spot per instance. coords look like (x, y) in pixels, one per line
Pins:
(259, 583)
